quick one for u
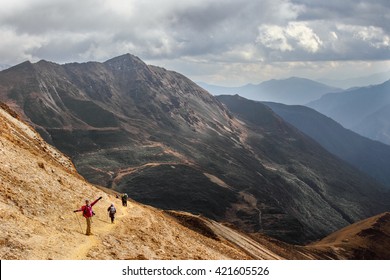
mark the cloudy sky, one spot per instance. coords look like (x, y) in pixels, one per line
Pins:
(225, 42)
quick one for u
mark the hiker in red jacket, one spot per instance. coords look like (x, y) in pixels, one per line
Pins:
(88, 213)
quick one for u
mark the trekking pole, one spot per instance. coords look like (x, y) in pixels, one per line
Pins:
(77, 218)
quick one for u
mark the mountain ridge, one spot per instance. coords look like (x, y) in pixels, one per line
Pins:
(362, 81)
(365, 154)
(353, 109)
(293, 90)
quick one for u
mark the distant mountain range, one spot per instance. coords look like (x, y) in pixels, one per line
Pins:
(374, 79)
(156, 135)
(364, 110)
(369, 156)
(292, 91)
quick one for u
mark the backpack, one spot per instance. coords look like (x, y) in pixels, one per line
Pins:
(88, 209)
(112, 210)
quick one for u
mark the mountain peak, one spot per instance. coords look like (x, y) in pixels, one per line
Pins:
(24, 65)
(123, 60)
(46, 66)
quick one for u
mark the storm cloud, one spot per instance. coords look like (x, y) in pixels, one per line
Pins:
(215, 36)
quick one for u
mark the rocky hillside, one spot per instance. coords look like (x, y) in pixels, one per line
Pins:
(368, 239)
(155, 134)
(39, 189)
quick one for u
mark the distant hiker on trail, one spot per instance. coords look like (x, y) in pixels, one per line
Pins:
(111, 211)
(88, 213)
(124, 199)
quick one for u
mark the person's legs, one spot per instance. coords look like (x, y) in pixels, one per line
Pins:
(88, 226)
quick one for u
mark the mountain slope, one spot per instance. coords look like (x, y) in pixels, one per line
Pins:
(369, 156)
(40, 188)
(155, 134)
(368, 239)
(376, 125)
(288, 91)
(299, 166)
(361, 109)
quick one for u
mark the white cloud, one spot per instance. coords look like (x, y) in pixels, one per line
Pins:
(289, 37)
(18, 47)
(375, 36)
(304, 36)
(242, 34)
(274, 37)
(370, 42)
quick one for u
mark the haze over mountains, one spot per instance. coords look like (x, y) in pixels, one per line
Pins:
(125, 123)
(292, 91)
(369, 156)
(374, 79)
(364, 110)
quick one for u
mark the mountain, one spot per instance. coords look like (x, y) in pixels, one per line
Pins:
(376, 125)
(371, 157)
(156, 135)
(287, 146)
(40, 188)
(368, 239)
(374, 79)
(363, 110)
(295, 91)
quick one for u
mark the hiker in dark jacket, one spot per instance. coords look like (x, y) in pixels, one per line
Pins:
(88, 213)
(111, 211)
(124, 199)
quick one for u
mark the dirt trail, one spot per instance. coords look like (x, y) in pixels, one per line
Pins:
(245, 243)
(101, 227)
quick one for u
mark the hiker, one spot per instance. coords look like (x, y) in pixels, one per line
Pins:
(88, 213)
(124, 199)
(111, 211)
